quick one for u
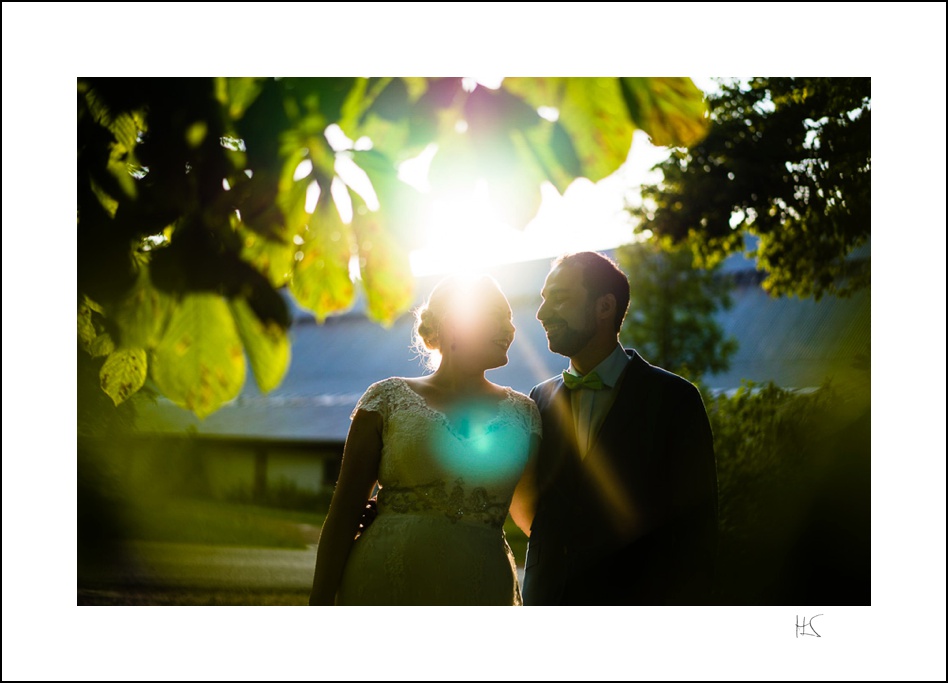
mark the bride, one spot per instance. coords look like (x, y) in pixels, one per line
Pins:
(447, 451)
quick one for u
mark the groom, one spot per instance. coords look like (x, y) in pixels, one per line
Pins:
(625, 487)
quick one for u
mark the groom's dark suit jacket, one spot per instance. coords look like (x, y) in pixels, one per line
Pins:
(635, 522)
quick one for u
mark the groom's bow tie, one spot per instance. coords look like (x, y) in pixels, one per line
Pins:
(590, 381)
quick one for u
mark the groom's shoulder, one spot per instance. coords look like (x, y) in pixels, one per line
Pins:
(659, 378)
(542, 391)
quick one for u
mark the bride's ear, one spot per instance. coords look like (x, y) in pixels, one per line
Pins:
(449, 339)
(447, 335)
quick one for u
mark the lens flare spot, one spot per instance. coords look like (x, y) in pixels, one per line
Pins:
(476, 448)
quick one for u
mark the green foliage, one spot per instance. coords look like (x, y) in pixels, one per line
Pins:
(199, 362)
(320, 280)
(786, 160)
(671, 310)
(267, 345)
(671, 110)
(195, 200)
(97, 412)
(123, 373)
(794, 494)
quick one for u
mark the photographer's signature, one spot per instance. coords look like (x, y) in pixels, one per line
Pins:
(805, 627)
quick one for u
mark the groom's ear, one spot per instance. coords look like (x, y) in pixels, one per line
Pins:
(606, 307)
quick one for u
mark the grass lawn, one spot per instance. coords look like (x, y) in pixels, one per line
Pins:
(187, 520)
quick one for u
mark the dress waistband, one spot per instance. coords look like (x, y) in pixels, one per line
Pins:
(455, 505)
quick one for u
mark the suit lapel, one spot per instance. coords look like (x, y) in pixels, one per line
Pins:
(616, 453)
(562, 408)
(560, 431)
(561, 412)
(615, 444)
(625, 413)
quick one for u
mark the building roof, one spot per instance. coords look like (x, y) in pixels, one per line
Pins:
(795, 343)
(792, 342)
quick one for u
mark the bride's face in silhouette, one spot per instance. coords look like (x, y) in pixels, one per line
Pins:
(479, 327)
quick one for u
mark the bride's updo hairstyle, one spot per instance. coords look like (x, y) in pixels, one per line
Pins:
(453, 295)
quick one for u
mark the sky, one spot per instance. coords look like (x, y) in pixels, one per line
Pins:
(900, 45)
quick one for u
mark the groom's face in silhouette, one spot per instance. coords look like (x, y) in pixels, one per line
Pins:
(567, 314)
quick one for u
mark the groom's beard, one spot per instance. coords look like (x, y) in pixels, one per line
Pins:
(569, 341)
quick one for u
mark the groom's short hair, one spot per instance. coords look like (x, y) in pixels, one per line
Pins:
(601, 275)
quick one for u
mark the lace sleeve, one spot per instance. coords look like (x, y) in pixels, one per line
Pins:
(528, 414)
(377, 398)
(536, 424)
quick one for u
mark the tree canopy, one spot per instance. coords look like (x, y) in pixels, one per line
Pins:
(199, 199)
(786, 160)
(672, 307)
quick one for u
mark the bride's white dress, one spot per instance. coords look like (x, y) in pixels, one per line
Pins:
(445, 491)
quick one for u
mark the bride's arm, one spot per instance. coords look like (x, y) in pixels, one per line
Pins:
(358, 474)
(523, 505)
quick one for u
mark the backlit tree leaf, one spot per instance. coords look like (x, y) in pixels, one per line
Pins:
(360, 98)
(108, 203)
(123, 373)
(323, 98)
(85, 327)
(199, 363)
(267, 345)
(385, 121)
(548, 144)
(384, 266)
(673, 111)
(436, 111)
(261, 126)
(498, 122)
(399, 202)
(236, 94)
(481, 137)
(272, 258)
(93, 339)
(141, 315)
(591, 111)
(292, 199)
(512, 175)
(320, 280)
(273, 206)
(124, 125)
(102, 345)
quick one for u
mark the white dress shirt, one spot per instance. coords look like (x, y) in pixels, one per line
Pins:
(590, 406)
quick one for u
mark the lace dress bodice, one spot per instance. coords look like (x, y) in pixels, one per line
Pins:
(462, 469)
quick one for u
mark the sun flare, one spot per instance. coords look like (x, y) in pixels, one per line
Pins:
(465, 234)
(462, 233)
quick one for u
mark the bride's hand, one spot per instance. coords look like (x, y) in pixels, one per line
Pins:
(369, 513)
